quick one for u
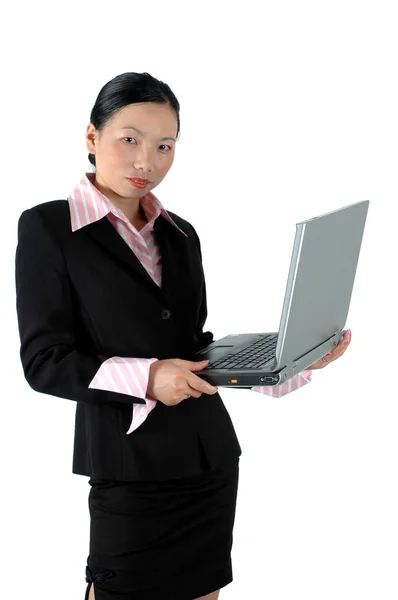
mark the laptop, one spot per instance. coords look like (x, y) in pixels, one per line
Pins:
(317, 298)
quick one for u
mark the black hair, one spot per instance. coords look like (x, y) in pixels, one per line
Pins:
(129, 88)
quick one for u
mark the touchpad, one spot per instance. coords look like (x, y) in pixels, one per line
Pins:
(219, 351)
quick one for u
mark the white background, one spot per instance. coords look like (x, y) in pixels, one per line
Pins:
(288, 110)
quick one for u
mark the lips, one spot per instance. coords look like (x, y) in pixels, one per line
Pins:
(137, 183)
(139, 180)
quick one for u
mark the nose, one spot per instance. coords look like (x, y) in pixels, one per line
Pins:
(144, 161)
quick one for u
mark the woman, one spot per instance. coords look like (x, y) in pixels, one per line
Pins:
(111, 303)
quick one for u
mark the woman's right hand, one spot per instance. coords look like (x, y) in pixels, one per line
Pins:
(171, 381)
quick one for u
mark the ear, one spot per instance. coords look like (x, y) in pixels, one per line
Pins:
(91, 134)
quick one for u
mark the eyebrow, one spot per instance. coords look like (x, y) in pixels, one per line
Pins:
(141, 133)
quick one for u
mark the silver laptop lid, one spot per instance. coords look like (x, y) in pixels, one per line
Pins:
(321, 279)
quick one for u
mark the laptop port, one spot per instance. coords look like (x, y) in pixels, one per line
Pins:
(268, 379)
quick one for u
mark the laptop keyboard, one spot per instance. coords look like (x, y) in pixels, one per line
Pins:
(251, 357)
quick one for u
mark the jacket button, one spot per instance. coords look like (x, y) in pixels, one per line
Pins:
(165, 313)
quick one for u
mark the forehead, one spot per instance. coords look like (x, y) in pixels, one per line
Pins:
(147, 116)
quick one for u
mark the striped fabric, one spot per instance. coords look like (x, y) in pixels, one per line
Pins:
(128, 375)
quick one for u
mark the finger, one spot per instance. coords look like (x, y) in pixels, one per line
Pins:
(200, 385)
(341, 346)
(331, 356)
(190, 391)
(344, 344)
(339, 351)
(347, 337)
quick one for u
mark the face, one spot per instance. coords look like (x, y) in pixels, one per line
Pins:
(138, 142)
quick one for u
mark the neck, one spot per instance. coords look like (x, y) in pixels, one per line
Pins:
(130, 207)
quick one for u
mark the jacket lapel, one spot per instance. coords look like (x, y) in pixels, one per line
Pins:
(171, 244)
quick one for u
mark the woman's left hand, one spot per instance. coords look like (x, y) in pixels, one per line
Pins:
(334, 354)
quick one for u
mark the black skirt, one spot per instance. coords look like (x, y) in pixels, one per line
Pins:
(168, 539)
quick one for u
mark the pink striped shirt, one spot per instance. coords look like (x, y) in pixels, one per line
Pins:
(128, 375)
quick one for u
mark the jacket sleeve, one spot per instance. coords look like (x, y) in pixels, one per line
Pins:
(51, 361)
(202, 339)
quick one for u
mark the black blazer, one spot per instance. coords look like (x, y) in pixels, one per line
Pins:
(83, 297)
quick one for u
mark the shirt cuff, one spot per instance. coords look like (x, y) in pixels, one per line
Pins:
(127, 376)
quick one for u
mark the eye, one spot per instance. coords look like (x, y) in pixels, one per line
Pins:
(162, 146)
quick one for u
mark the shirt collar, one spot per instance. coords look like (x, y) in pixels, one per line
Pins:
(88, 205)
